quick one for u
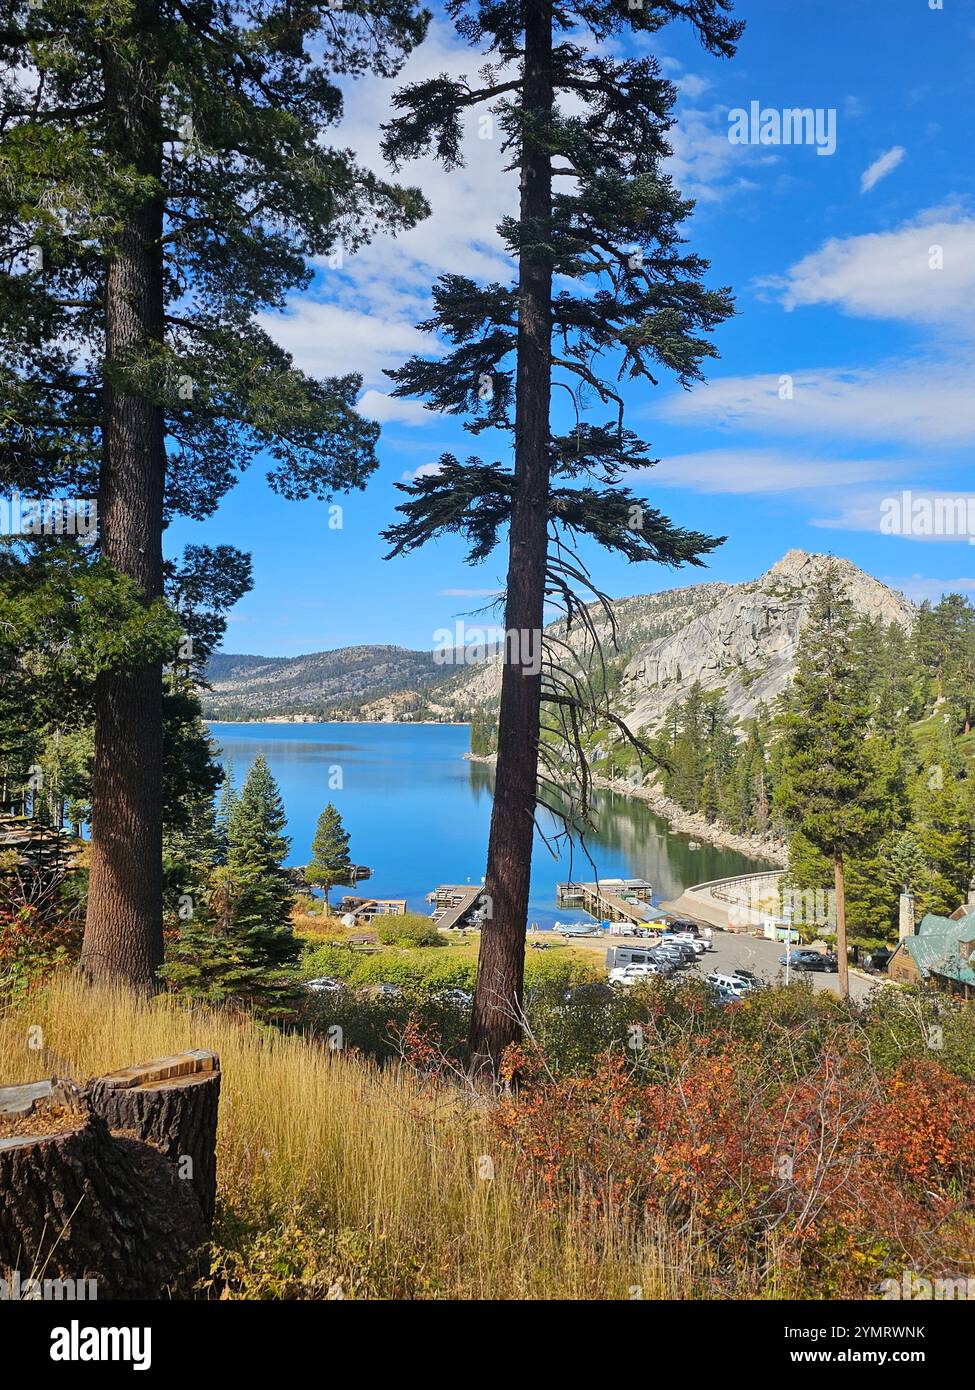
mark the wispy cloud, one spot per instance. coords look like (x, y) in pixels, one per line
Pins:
(746, 470)
(919, 587)
(921, 272)
(872, 511)
(882, 166)
(329, 340)
(916, 402)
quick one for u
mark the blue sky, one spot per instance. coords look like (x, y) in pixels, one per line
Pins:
(837, 287)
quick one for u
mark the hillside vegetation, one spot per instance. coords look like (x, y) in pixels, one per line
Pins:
(659, 1173)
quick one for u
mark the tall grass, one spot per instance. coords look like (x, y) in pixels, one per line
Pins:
(338, 1179)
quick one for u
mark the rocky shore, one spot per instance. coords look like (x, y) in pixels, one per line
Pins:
(767, 847)
(688, 823)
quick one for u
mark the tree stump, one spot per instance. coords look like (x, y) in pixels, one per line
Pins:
(80, 1203)
(172, 1104)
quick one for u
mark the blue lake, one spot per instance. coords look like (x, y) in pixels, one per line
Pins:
(418, 813)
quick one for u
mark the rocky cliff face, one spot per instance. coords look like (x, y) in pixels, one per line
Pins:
(641, 621)
(745, 643)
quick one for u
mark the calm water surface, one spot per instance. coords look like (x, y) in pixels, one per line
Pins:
(418, 814)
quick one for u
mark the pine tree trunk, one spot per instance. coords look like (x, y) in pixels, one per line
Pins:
(496, 1015)
(842, 965)
(123, 931)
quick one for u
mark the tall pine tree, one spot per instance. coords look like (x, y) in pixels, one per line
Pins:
(828, 785)
(602, 278)
(163, 179)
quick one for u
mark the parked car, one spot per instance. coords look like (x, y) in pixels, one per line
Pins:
(731, 983)
(805, 959)
(666, 965)
(324, 984)
(386, 991)
(683, 948)
(749, 977)
(632, 974)
(877, 961)
(685, 939)
(458, 997)
(677, 952)
(684, 924)
(723, 995)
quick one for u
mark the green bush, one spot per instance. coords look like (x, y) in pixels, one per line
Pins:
(374, 1025)
(550, 973)
(411, 929)
(419, 969)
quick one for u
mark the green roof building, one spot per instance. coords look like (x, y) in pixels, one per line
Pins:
(941, 952)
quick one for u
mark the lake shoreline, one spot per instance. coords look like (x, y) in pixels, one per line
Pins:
(418, 813)
(361, 723)
(769, 848)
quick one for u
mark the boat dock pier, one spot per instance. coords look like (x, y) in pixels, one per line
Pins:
(455, 903)
(607, 899)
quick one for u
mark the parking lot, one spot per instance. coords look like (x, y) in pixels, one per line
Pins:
(735, 949)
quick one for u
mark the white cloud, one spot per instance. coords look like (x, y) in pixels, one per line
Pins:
(363, 313)
(329, 340)
(874, 511)
(388, 410)
(922, 272)
(705, 164)
(426, 470)
(914, 402)
(919, 587)
(882, 166)
(466, 203)
(748, 470)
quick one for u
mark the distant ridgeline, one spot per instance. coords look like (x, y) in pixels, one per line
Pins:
(736, 639)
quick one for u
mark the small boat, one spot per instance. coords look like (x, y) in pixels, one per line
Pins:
(576, 929)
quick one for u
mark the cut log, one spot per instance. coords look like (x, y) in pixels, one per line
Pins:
(27, 1099)
(79, 1203)
(172, 1104)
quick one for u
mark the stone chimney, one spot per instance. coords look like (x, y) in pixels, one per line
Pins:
(905, 916)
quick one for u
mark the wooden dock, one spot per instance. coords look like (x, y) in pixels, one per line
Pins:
(606, 900)
(453, 902)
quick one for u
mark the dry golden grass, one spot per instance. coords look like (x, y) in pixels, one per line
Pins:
(319, 928)
(334, 1175)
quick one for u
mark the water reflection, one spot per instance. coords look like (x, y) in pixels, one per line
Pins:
(418, 813)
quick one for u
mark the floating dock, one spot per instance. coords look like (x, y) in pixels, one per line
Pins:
(607, 899)
(453, 903)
